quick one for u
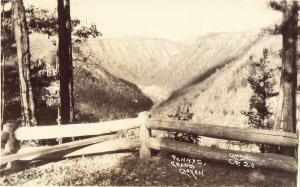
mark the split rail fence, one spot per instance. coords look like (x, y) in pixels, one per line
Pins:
(107, 140)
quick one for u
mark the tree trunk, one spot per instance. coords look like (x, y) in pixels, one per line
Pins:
(278, 116)
(2, 89)
(286, 108)
(2, 74)
(23, 57)
(65, 60)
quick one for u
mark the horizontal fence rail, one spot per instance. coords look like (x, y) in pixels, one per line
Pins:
(267, 160)
(56, 148)
(102, 147)
(228, 133)
(75, 130)
(107, 146)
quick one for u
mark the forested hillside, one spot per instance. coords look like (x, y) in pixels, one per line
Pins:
(220, 96)
(208, 76)
(99, 96)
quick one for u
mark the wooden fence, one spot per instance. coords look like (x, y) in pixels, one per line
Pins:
(266, 160)
(106, 141)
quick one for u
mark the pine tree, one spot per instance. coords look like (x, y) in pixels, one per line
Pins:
(262, 83)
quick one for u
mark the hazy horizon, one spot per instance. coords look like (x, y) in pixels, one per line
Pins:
(175, 20)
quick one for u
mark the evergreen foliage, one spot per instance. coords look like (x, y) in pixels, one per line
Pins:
(183, 137)
(43, 75)
(262, 83)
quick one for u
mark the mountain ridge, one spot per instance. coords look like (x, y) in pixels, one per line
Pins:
(222, 96)
(176, 75)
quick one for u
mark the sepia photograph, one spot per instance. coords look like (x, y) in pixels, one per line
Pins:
(150, 93)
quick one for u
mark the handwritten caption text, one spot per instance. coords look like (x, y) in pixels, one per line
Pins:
(241, 160)
(188, 166)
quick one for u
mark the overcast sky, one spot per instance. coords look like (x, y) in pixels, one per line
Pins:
(170, 19)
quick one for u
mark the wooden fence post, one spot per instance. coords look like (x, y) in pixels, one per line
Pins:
(11, 146)
(297, 154)
(145, 133)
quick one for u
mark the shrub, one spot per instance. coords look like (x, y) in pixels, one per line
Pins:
(232, 86)
(225, 112)
(244, 83)
(183, 137)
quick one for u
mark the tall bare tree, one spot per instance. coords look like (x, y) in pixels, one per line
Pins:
(286, 108)
(2, 69)
(65, 62)
(23, 58)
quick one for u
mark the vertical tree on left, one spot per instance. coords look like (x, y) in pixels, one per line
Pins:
(65, 62)
(23, 61)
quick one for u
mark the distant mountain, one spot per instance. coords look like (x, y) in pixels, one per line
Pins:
(207, 76)
(99, 95)
(162, 68)
(202, 58)
(139, 60)
(221, 92)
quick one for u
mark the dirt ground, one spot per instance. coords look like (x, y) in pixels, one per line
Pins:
(127, 169)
